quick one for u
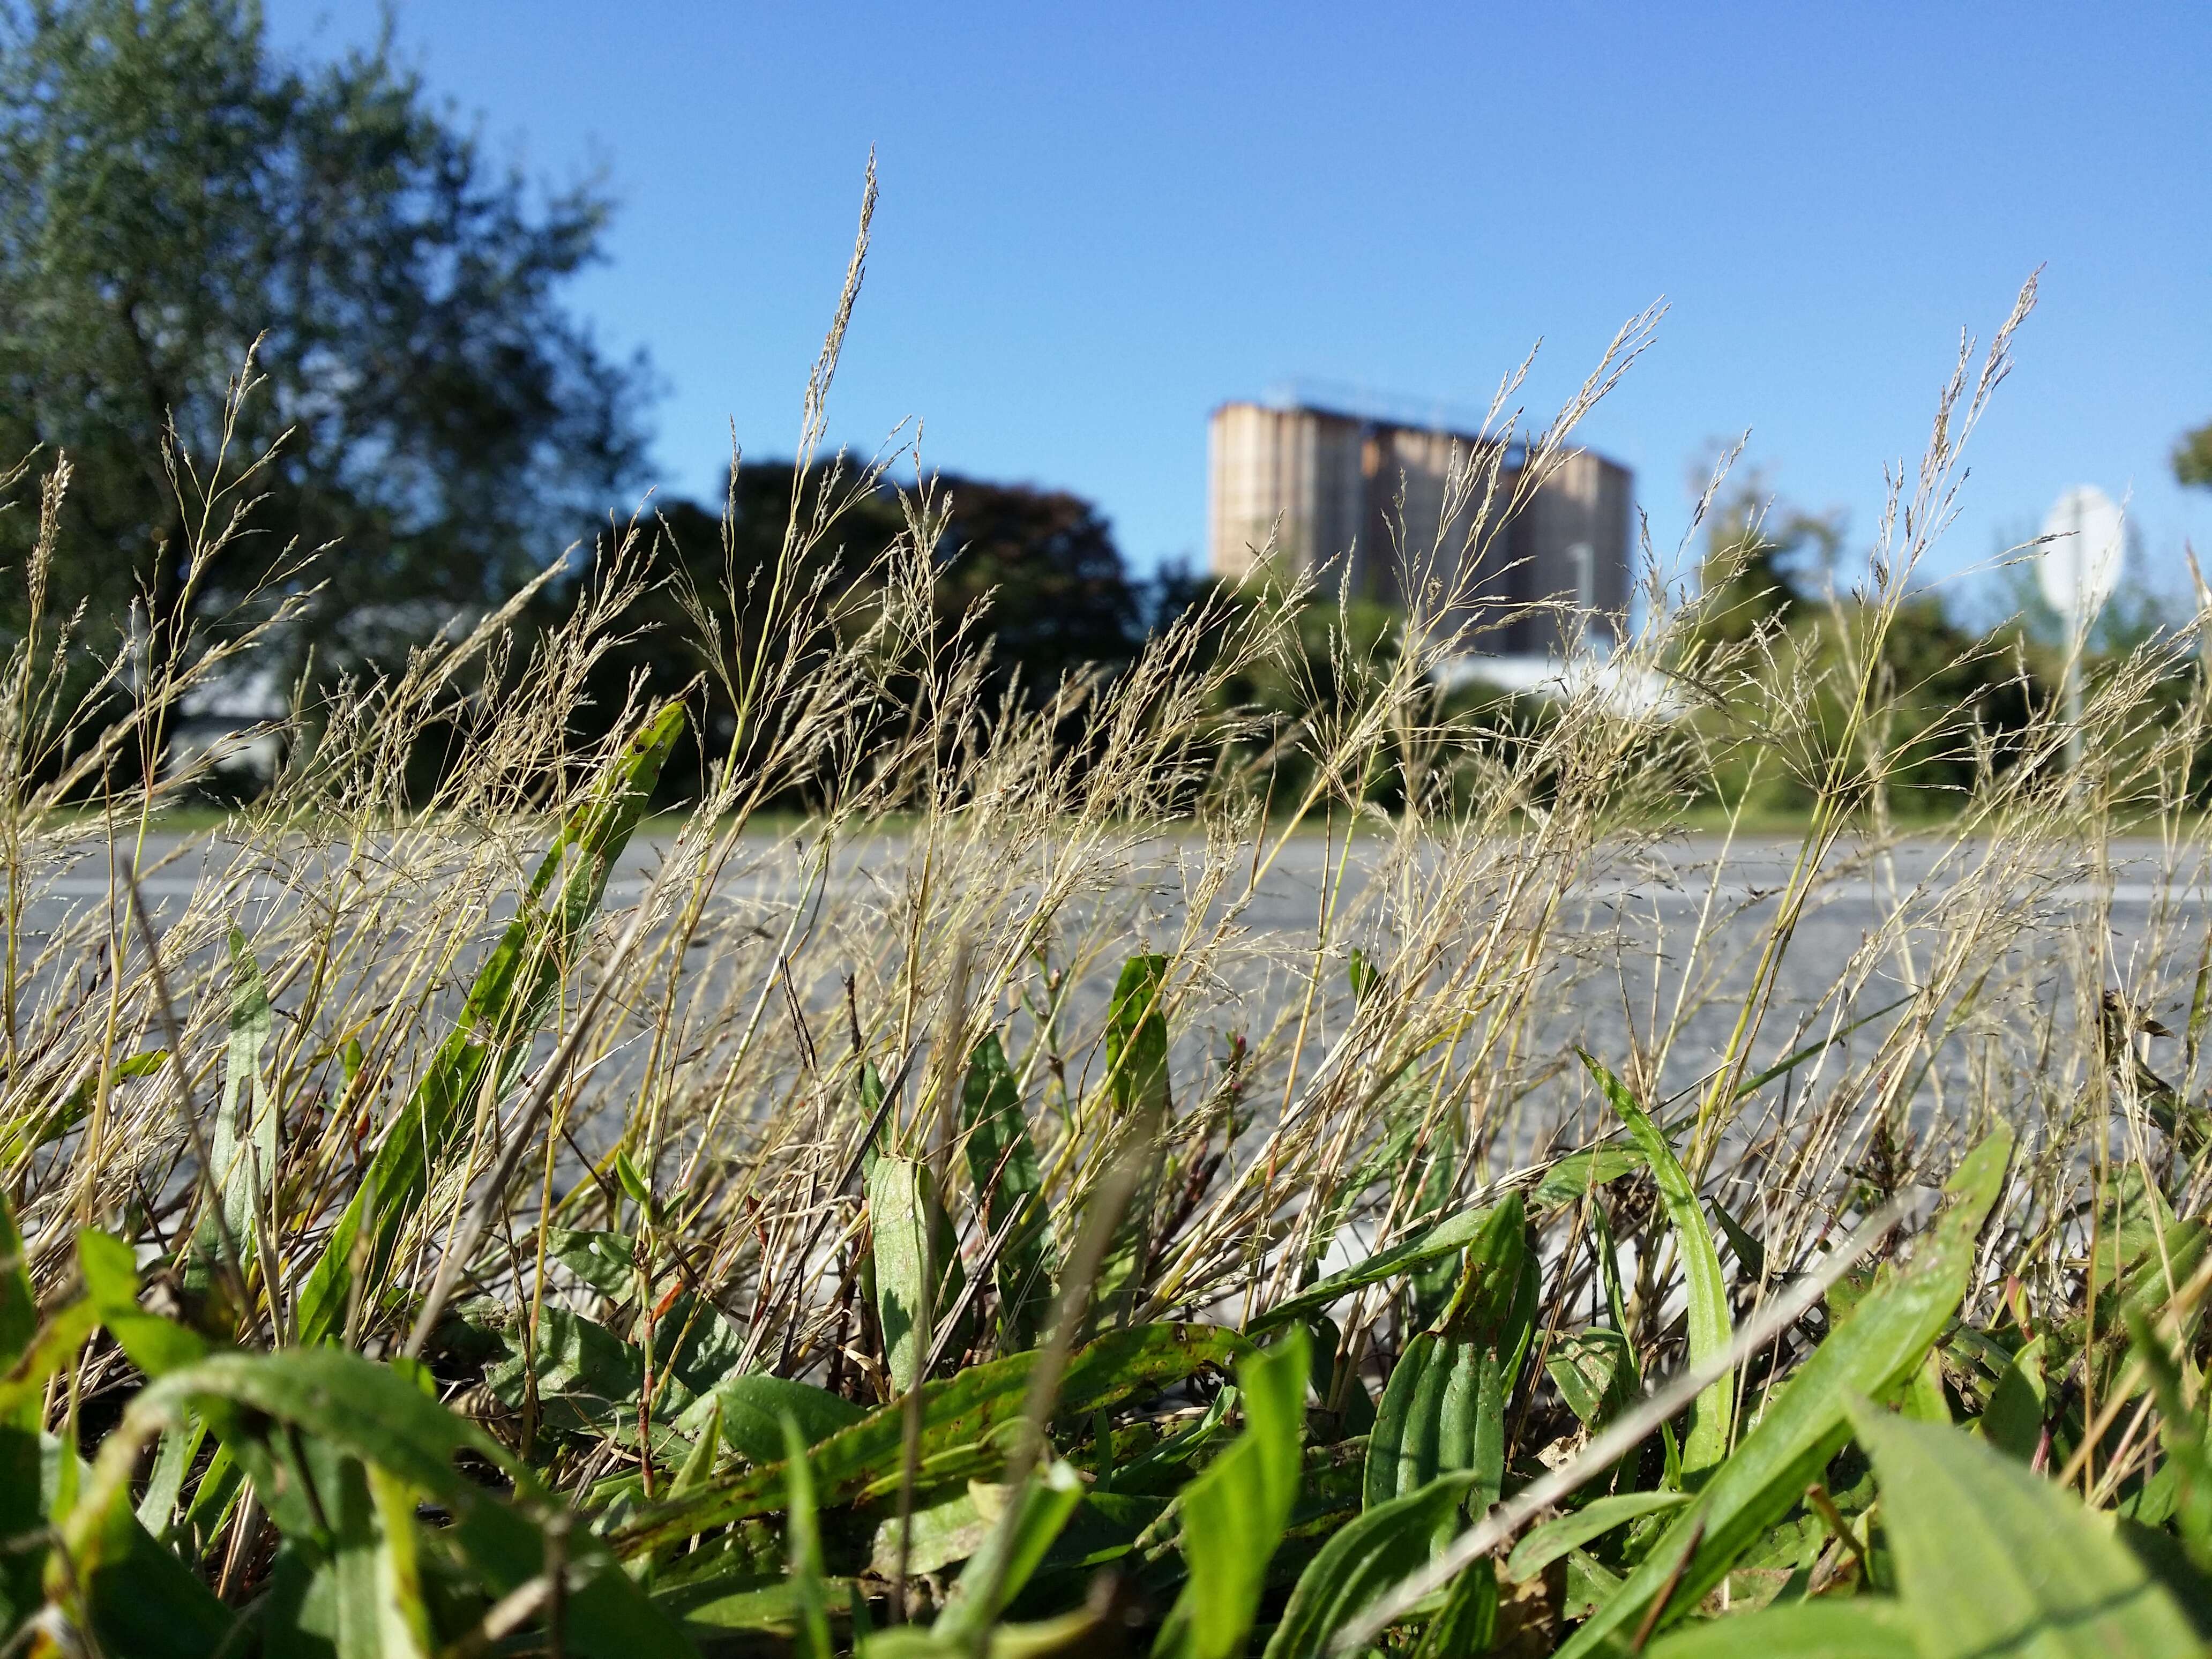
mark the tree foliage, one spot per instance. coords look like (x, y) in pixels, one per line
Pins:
(178, 192)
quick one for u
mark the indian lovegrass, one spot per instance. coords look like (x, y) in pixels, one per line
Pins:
(928, 1198)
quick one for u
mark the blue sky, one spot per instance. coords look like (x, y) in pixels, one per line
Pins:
(1098, 222)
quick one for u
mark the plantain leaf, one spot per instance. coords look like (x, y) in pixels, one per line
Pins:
(1872, 1352)
(1443, 1409)
(753, 1410)
(1446, 1238)
(2012, 1420)
(1137, 1077)
(1002, 1166)
(2181, 1434)
(1011, 1553)
(245, 1124)
(1868, 1627)
(1548, 1543)
(1467, 1622)
(1595, 1370)
(1362, 1562)
(1233, 1514)
(1990, 1559)
(1707, 1443)
(899, 1205)
(803, 1546)
(345, 1406)
(509, 1000)
(970, 1409)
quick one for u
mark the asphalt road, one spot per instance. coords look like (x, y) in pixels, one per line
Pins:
(1622, 958)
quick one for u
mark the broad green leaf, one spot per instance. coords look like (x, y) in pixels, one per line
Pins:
(2012, 1420)
(753, 1409)
(1707, 1443)
(1548, 1543)
(1002, 1166)
(1991, 1558)
(803, 1535)
(2181, 1433)
(996, 1573)
(1595, 1370)
(973, 1408)
(20, 1510)
(1136, 1037)
(509, 1000)
(1444, 1410)
(343, 1405)
(899, 1224)
(1432, 1285)
(1446, 1238)
(1573, 1177)
(1364, 1561)
(1137, 1077)
(1866, 1628)
(156, 1346)
(606, 1261)
(1467, 1622)
(245, 1124)
(1873, 1353)
(1233, 1515)
(141, 1600)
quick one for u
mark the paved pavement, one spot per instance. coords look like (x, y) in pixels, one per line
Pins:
(2140, 922)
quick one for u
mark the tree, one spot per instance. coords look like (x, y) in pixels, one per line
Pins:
(1759, 557)
(2192, 457)
(1061, 601)
(1060, 598)
(176, 193)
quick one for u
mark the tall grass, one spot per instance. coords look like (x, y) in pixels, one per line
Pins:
(659, 1157)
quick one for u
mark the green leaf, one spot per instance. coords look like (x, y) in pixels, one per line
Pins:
(1548, 1543)
(996, 1573)
(1873, 1353)
(1233, 1514)
(156, 1346)
(1711, 1329)
(1137, 1076)
(1595, 1370)
(803, 1535)
(606, 1261)
(1574, 1176)
(899, 1205)
(973, 1408)
(1990, 1559)
(2012, 1420)
(1446, 1238)
(509, 1000)
(245, 1124)
(2180, 1432)
(753, 1410)
(1443, 1409)
(1362, 1562)
(1867, 1627)
(1467, 1622)
(20, 1510)
(1002, 1166)
(1136, 1037)
(345, 1405)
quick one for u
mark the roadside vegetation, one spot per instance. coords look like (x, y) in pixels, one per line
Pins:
(445, 1229)
(410, 1250)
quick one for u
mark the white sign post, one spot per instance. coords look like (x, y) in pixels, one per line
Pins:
(2080, 566)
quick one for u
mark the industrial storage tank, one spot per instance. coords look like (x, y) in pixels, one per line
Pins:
(1453, 510)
